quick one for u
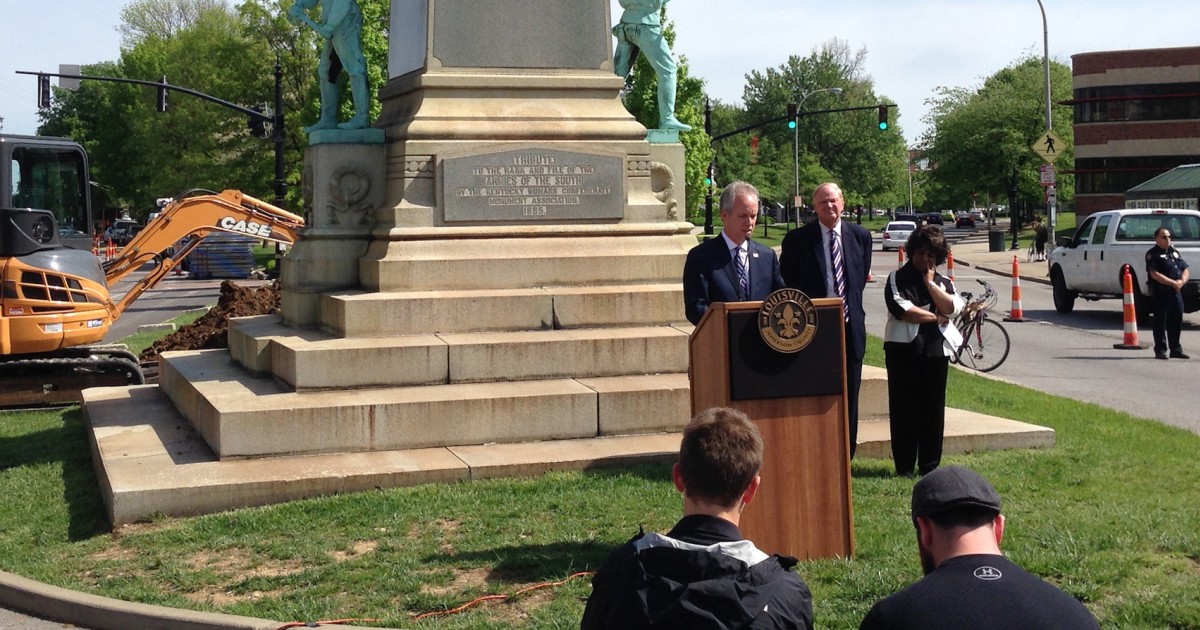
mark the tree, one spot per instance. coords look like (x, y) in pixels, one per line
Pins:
(846, 147)
(640, 97)
(977, 138)
(161, 19)
(138, 154)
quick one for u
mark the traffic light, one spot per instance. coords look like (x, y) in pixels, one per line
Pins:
(43, 91)
(258, 124)
(883, 117)
(162, 95)
(791, 115)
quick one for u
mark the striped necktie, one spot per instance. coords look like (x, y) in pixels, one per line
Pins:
(839, 271)
(743, 273)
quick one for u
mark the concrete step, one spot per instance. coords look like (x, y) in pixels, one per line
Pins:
(381, 314)
(495, 263)
(239, 415)
(149, 461)
(307, 359)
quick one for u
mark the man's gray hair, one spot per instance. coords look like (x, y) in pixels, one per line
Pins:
(733, 190)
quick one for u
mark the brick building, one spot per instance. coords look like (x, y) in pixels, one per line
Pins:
(1137, 115)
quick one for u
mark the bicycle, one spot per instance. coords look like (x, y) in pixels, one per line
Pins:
(985, 342)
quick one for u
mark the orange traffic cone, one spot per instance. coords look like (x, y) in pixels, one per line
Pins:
(1130, 341)
(111, 251)
(950, 265)
(900, 256)
(1017, 314)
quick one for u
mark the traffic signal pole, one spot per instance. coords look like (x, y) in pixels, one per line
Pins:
(275, 117)
(791, 115)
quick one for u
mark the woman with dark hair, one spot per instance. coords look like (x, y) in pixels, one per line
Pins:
(919, 337)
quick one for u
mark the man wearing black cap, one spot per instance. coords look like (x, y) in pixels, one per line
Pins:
(968, 583)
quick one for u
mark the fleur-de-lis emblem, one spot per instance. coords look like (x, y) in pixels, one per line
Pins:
(789, 322)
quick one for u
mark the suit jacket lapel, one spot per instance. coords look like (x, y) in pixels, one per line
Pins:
(850, 258)
(730, 269)
(818, 249)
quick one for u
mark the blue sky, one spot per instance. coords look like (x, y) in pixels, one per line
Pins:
(913, 46)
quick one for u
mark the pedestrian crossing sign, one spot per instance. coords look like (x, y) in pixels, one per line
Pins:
(1049, 146)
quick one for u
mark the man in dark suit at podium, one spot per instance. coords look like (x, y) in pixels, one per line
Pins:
(730, 268)
(832, 258)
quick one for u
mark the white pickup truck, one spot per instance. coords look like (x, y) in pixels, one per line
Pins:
(1089, 265)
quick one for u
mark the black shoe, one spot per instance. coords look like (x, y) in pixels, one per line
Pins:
(1179, 354)
(1160, 355)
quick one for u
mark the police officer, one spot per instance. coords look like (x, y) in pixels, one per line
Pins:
(1168, 272)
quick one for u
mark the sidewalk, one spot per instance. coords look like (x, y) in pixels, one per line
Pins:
(972, 251)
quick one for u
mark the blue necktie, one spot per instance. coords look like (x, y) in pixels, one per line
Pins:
(743, 274)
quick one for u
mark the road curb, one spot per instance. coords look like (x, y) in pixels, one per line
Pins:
(63, 605)
(1006, 274)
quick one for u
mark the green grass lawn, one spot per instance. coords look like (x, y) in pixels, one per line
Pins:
(1111, 515)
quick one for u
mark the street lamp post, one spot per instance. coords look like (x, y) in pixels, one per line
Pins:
(796, 145)
(1051, 209)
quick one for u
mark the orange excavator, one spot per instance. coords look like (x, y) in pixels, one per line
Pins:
(55, 301)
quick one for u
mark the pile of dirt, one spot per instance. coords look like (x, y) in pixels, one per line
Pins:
(210, 331)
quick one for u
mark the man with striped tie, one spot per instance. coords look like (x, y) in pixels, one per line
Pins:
(832, 258)
(730, 268)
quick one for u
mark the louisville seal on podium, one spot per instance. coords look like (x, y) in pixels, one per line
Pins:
(787, 321)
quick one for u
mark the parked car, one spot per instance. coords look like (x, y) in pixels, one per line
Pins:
(964, 220)
(896, 234)
(932, 218)
(123, 231)
(977, 215)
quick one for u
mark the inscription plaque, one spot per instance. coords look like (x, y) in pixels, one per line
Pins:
(542, 185)
(548, 34)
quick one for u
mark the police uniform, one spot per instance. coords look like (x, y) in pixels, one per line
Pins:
(1167, 302)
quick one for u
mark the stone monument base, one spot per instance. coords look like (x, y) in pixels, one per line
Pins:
(150, 461)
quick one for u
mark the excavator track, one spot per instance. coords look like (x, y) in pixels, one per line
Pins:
(60, 377)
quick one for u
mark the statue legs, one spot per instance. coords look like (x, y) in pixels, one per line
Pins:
(329, 106)
(650, 42)
(362, 103)
(666, 105)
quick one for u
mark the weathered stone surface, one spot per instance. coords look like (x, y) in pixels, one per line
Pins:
(532, 185)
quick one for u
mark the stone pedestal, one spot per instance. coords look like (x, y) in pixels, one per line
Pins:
(505, 269)
(343, 185)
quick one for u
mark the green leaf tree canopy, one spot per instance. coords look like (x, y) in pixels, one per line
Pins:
(977, 138)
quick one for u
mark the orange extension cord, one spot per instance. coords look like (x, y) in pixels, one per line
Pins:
(440, 613)
(533, 587)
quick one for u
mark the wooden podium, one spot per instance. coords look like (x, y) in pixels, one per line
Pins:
(798, 401)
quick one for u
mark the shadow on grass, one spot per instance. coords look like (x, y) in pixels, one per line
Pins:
(67, 446)
(522, 564)
(648, 472)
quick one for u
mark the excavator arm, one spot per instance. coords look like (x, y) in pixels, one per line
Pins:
(193, 217)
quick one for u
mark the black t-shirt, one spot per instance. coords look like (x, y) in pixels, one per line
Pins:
(979, 592)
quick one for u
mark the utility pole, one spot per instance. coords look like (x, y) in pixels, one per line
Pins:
(1052, 203)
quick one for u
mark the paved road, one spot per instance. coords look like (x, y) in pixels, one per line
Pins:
(10, 620)
(1073, 355)
(172, 297)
